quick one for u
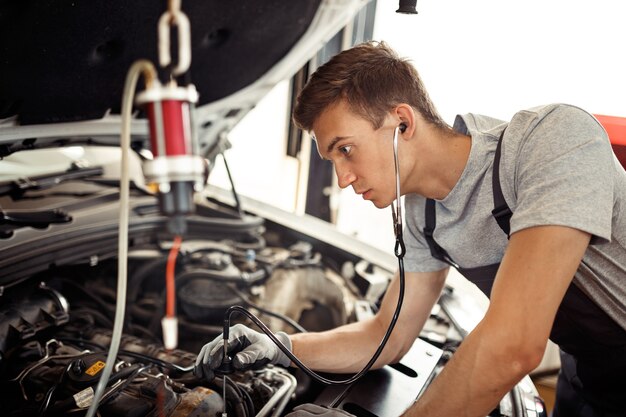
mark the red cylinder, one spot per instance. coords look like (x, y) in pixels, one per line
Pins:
(168, 110)
(175, 127)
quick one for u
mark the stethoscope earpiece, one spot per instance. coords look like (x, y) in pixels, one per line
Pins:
(402, 127)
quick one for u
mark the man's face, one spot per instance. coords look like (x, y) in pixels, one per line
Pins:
(362, 156)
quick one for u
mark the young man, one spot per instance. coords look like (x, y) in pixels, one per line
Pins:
(554, 269)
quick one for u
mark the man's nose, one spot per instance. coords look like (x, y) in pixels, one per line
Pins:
(345, 177)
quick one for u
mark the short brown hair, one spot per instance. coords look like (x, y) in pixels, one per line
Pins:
(372, 79)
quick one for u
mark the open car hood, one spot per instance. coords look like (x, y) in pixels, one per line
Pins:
(63, 64)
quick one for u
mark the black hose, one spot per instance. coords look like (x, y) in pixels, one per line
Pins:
(249, 402)
(122, 352)
(184, 277)
(250, 279)
(144, 271)
(47, 400)
(95, 314)
(282, 317)
(199, 328)
(270, 313)
(115, 391)
(81, 343)
(258, 245)
(237, 401)
(155, 361)
(104, 306)
(297, 361)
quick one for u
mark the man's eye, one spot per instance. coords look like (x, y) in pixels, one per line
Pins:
(345, 149)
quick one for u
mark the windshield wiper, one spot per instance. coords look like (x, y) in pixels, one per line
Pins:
(16, 188)
(38, 219)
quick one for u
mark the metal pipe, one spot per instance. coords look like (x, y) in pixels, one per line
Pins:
(284, 390)
(281, 406)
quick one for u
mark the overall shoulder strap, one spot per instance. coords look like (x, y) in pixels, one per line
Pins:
(436, 251)
(501, 211)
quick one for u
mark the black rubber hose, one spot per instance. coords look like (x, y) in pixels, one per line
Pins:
(270, 313)
(297, 361)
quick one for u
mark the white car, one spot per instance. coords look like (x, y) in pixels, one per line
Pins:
(63, 67)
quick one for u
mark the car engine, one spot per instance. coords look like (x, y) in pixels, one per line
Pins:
(56, 327)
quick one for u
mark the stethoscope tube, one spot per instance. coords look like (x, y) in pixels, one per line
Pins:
(399, 251)
(396, 213)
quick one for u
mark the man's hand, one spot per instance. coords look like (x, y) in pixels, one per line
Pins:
(310, 410)
(252, 350)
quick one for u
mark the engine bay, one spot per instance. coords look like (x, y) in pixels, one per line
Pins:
(58, 298)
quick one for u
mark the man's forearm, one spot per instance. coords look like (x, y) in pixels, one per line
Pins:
(348, 348)
(344, 349)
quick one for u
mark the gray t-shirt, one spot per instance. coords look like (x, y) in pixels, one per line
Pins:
(557, 168)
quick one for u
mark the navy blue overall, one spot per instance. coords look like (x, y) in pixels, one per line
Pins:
(592, 381)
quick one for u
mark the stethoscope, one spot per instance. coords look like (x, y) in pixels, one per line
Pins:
(396, 212)
(399, 251)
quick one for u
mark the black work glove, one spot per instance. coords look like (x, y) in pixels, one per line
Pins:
(252, 350)
(309, 410)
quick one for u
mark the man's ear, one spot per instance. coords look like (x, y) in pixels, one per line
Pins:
(405, 116)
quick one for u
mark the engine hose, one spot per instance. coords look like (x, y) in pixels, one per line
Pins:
(144, 271)
(87, 294)
(250, 278)
(265, 311)
(132, 78)
(119, 388)
(258, 245)
(226, 226)
(248, 401)
(199, 328)
(156, 361)
(187, 276)
(260, 274)
(238, 402)
(297, 361)
(123, 352)
(47, 400)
